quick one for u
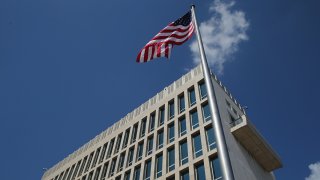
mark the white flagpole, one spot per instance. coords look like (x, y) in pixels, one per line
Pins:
(216, 120)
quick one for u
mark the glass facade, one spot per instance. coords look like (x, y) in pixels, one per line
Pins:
(197, 147)
(194, 119)
(199, 172)
(215, 169)
(182, 105)
(150, 145)
(171, 132)
(152, 122)
(182, 126)
(110, 148)
(140, 151)
(160, 139)
(203, 90)
(206, 112)
(171, 159)
(143, 127)
(183, 153)
(130, 156)
(118, 143)
(161, 116)
(103, 152)
(134, 133)
(192, 97)
(127, 175)
(184, 175)
(136, 175)
(147, 170)
(171, 109)
(211, 140)
(158, 166)
(125, 139)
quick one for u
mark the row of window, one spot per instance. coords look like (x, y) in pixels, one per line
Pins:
(199, 171)
(113, 146)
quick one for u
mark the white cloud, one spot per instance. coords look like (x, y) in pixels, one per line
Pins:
(315, 171)
(221, 34)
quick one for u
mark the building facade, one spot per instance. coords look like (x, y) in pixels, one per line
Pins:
(171, 137)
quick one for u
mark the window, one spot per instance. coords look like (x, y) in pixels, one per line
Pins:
(71, 171)
(182, 105)
(121, 162)
(76, 170)
(136, 175)
(134, 133)
(60, 176)
(125, 139)
(203, 90)
(211, 140)
(96, 157)
(160, 139)
(197, 148)
(103, 152)
(171, 159)
(82, 165)
(171, 109)
(152, 121)
(104, 171)
(130, 157)
(90, 175)
(118, 178)
(150, 145)
(200, 173)
(215, 169)
(192, 97)
(206, 112)
(161, 116)
(127, 175)
(183, 153)
(110, 148)
(171, 132)
(65, 174)
(143, 127)
(184, 175)
(84, 177)
(89, 162)
(147, 170)
(158, 166)
(182, 126)
(118, 143)
(112, 167)
(194, 119)
(96, 176)
(140, 151)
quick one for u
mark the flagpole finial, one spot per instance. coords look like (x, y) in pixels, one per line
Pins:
(193, 6)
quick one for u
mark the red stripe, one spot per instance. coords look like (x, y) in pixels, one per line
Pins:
(159, 49)
(171, 35)
(172, 30)
(145, 58)
(139, 55)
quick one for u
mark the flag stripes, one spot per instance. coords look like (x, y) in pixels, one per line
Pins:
(176, 33)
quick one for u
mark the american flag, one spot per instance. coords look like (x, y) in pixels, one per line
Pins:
(176, 33)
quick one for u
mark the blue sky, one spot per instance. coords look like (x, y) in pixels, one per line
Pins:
(64, 62)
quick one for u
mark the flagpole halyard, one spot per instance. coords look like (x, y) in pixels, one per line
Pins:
(216, 119)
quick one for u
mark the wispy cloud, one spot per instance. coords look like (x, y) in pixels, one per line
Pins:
(315, 171)
(221, 34)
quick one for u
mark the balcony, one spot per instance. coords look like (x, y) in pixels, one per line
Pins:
(255, 144)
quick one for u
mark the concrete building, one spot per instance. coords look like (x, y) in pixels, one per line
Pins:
(170, 136)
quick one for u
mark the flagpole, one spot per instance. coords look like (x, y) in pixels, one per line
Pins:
(216, 119)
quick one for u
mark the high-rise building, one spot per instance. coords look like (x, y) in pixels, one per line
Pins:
(170, 136)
